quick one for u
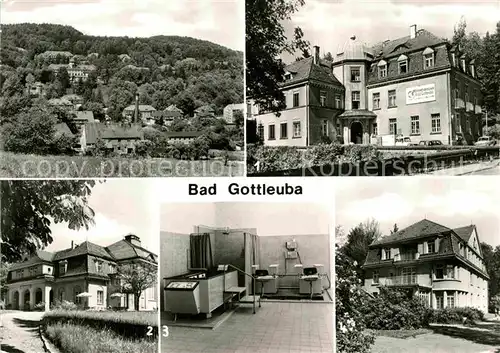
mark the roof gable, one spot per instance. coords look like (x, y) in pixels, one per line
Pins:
(85, 248)
(38, 258)
(418, 230)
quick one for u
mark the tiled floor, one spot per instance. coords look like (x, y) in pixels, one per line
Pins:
(276, 327)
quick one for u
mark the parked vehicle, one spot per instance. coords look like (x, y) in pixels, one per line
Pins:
(403, 141)
(486, 141)
(430, 143)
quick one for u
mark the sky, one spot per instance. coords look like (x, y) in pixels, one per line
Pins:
(330, 23)
(452, 202)
(121, 206)
(269, 218)
(218, 21)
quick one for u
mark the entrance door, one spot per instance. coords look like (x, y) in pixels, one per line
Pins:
(356, 132)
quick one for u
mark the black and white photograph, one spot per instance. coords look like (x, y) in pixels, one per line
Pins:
(246, 277)
(79, 269)
(108, 88)
(417, 265)
(372, 88)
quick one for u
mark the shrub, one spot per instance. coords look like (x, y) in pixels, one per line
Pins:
(359, 153)
(64, 305)
(395, 309)
(351, 336)
(457, 315)
(39, 306)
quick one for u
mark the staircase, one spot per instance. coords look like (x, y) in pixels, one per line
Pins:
(238, 295)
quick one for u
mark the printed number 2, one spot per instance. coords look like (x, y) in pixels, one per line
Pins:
(165, 331)
(150, 331)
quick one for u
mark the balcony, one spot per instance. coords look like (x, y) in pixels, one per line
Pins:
(478, 109)
(408, 280)
(459, 103)
(469, 107)
(406, 257)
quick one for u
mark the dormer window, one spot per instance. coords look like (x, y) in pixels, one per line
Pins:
(431, 247)
(428, 58)
(288, 75)
(98, 266)
(403, 64)
(382, 69)
(63, 267)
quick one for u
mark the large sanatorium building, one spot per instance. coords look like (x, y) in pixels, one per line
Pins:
(417, 86)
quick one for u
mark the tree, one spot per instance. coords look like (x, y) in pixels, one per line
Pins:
(265, 42)
(4, 270)
(328, 56)
(394, 229)
(492, 263)
(359, 238)
(136, 277)
(28, 209)
(459, 32)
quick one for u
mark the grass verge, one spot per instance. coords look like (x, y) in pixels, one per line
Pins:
(402, 334)
(81, 339)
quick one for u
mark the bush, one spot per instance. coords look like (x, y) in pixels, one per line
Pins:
(39, 307)
(457, 315)
(351, 336)
(64, 305)
(395, 309)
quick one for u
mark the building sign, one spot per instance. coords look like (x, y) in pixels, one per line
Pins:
(420, 94)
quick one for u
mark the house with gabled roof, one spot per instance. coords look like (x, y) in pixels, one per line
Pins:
(443, 266)
(313, 97)
(118, 138)
(48, 277)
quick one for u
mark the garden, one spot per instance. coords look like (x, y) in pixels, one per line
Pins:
(397, 321)
(78, 331)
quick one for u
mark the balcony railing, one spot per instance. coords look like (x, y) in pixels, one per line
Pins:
(400, 280)
(405, 257)
(459, 103)
(478, 109)
(469, 107)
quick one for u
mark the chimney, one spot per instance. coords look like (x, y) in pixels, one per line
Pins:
(316, 55)
(133, 239)
(413, 31)
(136, 112)
(72, 244)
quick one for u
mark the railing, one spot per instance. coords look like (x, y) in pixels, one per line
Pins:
(246, 274)
(405, 257)
(401, 280)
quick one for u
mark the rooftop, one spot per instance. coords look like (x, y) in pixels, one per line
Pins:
(306, 69)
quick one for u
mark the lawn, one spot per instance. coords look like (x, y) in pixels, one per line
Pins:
(81, 339)
(34, 166)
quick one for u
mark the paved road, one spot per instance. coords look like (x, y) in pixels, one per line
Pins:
(19, 332)
(492, 171)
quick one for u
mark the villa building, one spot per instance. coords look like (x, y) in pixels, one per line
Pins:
(75, 71)
(441, 265)
(230, 110)
(144, 113)
(88, 268)
(417, 85)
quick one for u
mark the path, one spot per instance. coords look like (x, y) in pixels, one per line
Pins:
(19, 332)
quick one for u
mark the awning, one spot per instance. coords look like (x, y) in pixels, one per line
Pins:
(358, 113)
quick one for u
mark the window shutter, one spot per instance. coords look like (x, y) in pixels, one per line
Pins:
(436, 245)
(424, 248)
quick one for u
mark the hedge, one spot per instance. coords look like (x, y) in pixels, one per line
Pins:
(457, 315)
(127, 324)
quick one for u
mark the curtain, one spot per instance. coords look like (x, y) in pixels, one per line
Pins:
(201, 251)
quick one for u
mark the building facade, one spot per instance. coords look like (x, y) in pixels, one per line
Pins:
(230, 110)
(49, 277)
(443, 266)
(417, 86)
(314, 98)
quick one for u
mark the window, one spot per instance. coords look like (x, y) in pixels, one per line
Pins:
(98, 266)
(450, 300)
(152, 292)
(355, 99)
(382, 71)
(296, 129)
(431, 247)
(428, 60)
(436, 123)
(324, 127)
(403, 67)
(439, 272)
(283, 130)
(355, 74)
(100, 297)
(392, 126)
(392, 98)
(375, 276)
(439, 301)
(337, 101)
(63, 266)
(409, 275)
(375, 129)
(260, 131)
(272, 132)
(61, 294)
(471, 279)
(376, 100)
(296, 99)
(387, 253)
(450, 271)
(77, 290)
(322, 98)
(415, 125)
